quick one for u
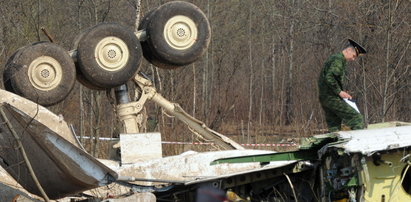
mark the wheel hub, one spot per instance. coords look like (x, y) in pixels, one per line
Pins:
(180, 32)
(45, 73)
(111, 53)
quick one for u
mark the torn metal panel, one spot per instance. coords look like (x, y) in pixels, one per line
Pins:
(389, 180)
(39, 113)
(265, 158)
(370, 141)
(269, 168)
(308, 151)
(191, 166)
(140, 147)
(61, 167)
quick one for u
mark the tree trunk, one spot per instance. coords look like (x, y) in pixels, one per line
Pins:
(262, 77)
(205, 75)
(38, 20)
(273, 75)
(250, 92)
(387, 64)
(96, 128)
(289, 88)
(81, 88)
(194, 90)
(91, 123)
(138, 12)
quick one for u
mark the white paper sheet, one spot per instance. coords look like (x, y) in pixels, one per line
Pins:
(352, 104)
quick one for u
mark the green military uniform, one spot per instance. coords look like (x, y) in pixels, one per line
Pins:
(330, 84)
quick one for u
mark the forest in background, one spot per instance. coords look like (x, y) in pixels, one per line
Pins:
(257, 83)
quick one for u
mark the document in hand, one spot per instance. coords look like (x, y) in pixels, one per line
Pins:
(352, 104)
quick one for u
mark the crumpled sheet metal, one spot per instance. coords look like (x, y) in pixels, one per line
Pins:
(370, 141)
(61, 167)
(191, 167)
(41, 114)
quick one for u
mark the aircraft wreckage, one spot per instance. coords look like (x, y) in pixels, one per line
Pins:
(41, 153)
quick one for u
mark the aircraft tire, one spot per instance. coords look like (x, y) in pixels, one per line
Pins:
(178, 33)
(42, 72)
(108, 55)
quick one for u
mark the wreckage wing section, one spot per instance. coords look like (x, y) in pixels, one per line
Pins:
(61, 167)
(371, 141)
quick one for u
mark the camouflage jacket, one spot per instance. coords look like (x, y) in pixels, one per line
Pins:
(332, 75)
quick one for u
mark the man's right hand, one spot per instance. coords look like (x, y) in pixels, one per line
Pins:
(344, 94)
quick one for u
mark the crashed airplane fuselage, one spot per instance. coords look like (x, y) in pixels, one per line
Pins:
(365, 165)
(41, 153)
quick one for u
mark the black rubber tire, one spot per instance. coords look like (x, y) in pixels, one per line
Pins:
(147, 52)
(83, 81)
(162, 51)
(76, 40)
(88, 65)
(17, 77)
(7, 71)
(80, 77)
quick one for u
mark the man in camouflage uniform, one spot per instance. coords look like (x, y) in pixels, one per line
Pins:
(331, 90)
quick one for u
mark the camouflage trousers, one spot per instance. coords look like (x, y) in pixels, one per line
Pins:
(337, 111)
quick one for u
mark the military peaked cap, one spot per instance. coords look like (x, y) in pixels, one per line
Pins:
(358, 48)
